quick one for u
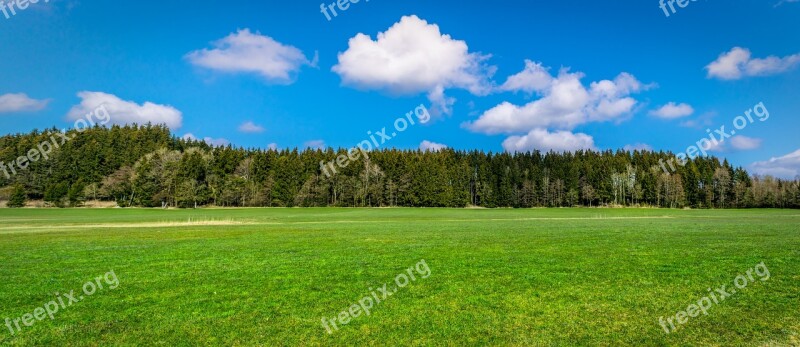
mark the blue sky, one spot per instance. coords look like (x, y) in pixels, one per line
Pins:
(598, 72)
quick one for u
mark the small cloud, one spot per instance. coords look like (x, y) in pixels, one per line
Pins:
(534, 78)
(744, 143)
(251, 128)
(20, 102)
(315, 144)
(53, 6)
(431, 146)
(784, 2)
(440, 104)
(272, 146)
(126, 112)
(246, 52)
(736, 143)
(638, 147)
(717, 147)
(738, 63)
(211, 141)
(787, 166)
(543, 140)
(673, 111)
(216, 142)
(702, 121)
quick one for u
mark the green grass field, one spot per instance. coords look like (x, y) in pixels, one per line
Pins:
(560, 277)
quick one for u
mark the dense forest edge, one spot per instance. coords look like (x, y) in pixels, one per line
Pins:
(147, 166)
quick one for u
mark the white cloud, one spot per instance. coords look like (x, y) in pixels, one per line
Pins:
(738, 63)
(785, 2)
(440, 103)
(534, 78)
(216, 142)
(413, 57)
(561, 106)
(126, 112)
(431, 146)
(701, 121)
(221, 142)
(744, 143)
(717, 147)
(543, 140)
(787, 166)
(736, 143)
(638, 147)
(248, 52)
(20, 102)
(611, 99)
(672, 111)
(273, 146)
(251, 128)
(315, 144)
(565, 104)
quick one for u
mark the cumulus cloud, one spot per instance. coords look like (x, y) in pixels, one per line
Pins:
(611, 99)
(20, 102)
(431, 146)
(248, 52)
(736, 143)
(561, 106)
(220, 142)
(543, 140)
(744, 143)
(272, 146)
(673, 111)
(413, 57)
(126, 112)
(533, 79)
(638, 147)
(738, 63)
(787, 166)
(315, 144)
(565, 104)
(251, 128)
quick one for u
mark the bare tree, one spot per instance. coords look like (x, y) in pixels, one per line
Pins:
(588, 193)
(722, 179)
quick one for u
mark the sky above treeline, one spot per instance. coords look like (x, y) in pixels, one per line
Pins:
(495, 76)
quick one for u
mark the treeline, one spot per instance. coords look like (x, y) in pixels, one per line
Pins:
(149, 167)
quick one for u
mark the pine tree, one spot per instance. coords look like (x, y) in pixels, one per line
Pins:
(18, 197)
(146, 166)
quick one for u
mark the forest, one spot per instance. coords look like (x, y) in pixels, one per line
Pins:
(148, 166)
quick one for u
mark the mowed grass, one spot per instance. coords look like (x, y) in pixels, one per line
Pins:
(553, 277)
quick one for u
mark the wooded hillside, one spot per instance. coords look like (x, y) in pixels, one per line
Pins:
(148, 166)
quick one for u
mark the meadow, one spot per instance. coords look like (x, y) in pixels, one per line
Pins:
(527, 277)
